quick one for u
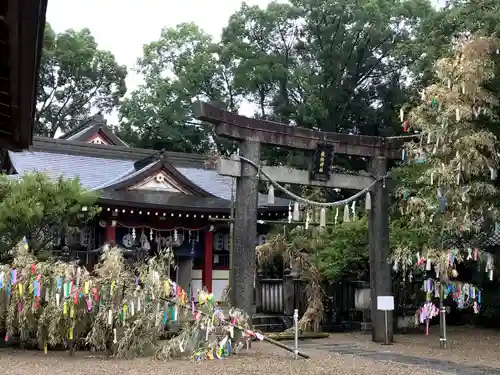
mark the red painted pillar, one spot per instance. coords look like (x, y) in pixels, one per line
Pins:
(110, 233)
(206, 274)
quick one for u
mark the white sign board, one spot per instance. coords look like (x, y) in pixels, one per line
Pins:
(385, 303)
(362, 298)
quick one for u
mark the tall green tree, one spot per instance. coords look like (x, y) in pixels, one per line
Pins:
(184, 65)
(327, 65)
(331, 66)
(76, 77)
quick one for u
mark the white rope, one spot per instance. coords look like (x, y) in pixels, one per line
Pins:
(308, 201)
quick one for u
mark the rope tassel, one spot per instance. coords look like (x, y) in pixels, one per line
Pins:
(346, 214)
(296, 212)
(322, 218)
(270, 195)
(368, 202)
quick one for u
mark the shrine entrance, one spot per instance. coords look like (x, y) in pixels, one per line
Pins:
(248, 171)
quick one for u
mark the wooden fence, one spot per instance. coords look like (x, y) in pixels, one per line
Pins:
(339, 299)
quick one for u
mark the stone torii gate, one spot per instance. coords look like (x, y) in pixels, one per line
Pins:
(251, 133)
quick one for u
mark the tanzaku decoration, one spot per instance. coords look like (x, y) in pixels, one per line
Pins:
(427, 312)
(457, 162)
(128, 312)
(442, 265)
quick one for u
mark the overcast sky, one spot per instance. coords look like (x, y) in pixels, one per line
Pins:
(124, 26)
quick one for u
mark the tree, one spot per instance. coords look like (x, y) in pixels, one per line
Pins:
(323, 64)
(331, 66)
(182, 66)
(453, 193)
(75, 78)
(41, 210)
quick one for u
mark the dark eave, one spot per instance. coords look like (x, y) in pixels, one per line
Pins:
(22, 24)
(167, 201)
(161, 165)
(68, 147)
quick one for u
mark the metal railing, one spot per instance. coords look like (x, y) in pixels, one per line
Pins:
(271, 296)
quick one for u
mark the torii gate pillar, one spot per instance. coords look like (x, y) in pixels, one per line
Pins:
(245, 229)
(380, 269)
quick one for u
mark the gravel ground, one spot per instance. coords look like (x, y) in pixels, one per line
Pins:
(467, 345)
(261, 359)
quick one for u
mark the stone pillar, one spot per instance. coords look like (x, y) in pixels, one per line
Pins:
(288, 293)
(245, 229)
(184, 272)
(380, 269)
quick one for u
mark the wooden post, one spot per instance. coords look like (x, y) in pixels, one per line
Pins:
(245, 229)
(380, 269)
(110, 236)
(207, 271)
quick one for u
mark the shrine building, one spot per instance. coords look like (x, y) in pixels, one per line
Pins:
(149, 200)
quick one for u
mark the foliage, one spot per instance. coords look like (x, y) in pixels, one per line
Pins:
(315, 63)
(181, 66)
(60, 302)
(344, 252)
(454, 195)
(41, 209)
(75, 78)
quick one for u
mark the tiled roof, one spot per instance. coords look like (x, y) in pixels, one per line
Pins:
(94, 126)
(91, 171)
(97, 173)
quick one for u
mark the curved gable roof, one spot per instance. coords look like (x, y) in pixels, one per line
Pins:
(96, 128)
(161, 165)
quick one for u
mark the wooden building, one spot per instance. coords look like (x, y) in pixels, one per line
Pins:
(22, 25)
(149, 199)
